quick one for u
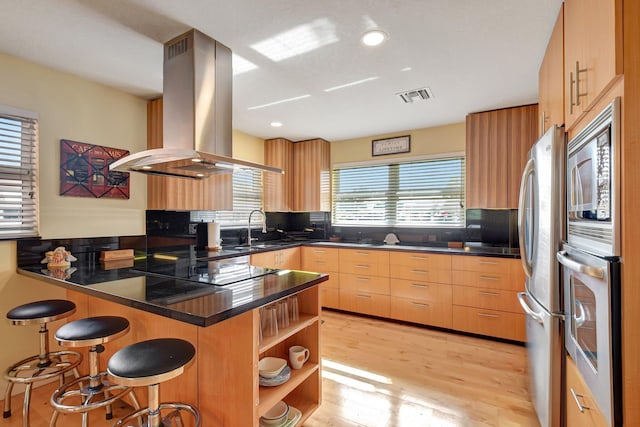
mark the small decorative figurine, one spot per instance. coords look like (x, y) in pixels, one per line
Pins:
(57, 258)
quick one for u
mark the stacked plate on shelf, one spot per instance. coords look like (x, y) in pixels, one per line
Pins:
(273, 371)
(281, 415)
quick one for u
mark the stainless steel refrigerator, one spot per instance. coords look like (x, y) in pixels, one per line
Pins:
(541, 230)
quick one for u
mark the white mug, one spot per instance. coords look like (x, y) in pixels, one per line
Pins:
(298, 355)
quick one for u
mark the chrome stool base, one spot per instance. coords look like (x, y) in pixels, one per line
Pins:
(84, 397)
(172, 419)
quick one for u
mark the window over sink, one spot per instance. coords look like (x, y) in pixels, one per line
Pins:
(418, 193)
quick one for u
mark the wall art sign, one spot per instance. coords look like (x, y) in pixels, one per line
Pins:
(84, 171)
(395, 145)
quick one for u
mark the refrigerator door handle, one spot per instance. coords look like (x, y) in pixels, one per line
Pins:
(528, 171)
(522, 297)
(574, 265)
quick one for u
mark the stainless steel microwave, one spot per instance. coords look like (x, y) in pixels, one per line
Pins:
(593, 185)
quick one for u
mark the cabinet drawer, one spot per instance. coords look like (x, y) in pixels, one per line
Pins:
(434, 313)
(365, 303)
(322, 260)
(486, 280)
(332, 282)
(329, 297)
(419, 290)
(419, 259)
(356, 261)
(591, 417)
(493, 299)
(489, 322)
(483, 264)
(421, 274)
(363, 283)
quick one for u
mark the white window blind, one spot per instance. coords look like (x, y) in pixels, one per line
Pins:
(247, 196)
(18, 176)
(414, 194)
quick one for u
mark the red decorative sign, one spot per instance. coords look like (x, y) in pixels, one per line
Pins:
(84, 171)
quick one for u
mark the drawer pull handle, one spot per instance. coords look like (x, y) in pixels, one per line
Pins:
(362, 266)
(362, 253)
(321, 262)
(488, 294)
(362, 279)
(576, 397)
(319, 251)
(422, 258)
(364, 296)
(488, 262)
(492, 278)
(420, 271)
(419, 285)
(420, 304)
(487, 315)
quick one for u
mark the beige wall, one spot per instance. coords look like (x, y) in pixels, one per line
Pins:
(68, 108)
(248, 147)
(424, 142)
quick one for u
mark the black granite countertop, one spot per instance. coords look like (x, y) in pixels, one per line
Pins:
(201, 304)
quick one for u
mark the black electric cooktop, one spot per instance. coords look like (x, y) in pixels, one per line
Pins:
(217, 273)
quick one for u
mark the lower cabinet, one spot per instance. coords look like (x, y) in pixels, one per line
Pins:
(581, 406)
(284, 259)
(364, 302)
(324, 260)
(425, 303)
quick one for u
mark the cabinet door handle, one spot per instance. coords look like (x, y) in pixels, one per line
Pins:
(492, 278)
(488, 294)
(576, 397)
(362, 266)
(321, 262)
(488, 262)
(419, 285)
(571, 83)
(420, 304)
(420, 271)
(362, 279)
(421, 258)
(362, 253)
(487, 315)
(363, 296)
(319, 251)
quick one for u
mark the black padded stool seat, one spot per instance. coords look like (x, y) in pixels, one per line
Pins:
(41, 311)
(91, 391)
(46, 364)
(92, 331)
(150, 362)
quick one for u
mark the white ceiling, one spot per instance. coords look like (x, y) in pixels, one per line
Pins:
(474, 55)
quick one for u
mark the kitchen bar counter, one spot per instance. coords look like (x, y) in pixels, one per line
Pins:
(192, 302)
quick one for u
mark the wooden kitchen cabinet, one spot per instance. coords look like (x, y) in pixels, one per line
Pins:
(581, 407)
(497, 143)
(551, 79)
(592, 53)
(364, 281)
(485, 296)
(324, 260)
(306, 183)
(283, 259)
(182, 194)
(278, 188)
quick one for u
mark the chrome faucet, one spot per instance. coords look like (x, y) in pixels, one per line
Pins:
(264, 224)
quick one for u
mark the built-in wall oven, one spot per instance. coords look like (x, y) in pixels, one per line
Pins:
(592, 326)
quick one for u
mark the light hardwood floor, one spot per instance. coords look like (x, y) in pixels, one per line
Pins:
(384, 374)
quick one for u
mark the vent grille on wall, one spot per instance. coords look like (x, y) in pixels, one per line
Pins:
(178, 48)
(421, 94)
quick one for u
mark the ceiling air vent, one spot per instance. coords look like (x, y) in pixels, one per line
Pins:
(421, 94)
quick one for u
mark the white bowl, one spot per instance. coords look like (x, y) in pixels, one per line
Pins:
(276, 415)
(270, 367)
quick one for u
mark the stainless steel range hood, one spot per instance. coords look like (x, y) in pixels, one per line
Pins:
(197, 95)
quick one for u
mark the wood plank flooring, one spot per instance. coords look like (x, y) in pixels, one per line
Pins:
(385, 374)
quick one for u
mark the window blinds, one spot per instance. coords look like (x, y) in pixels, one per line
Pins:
(423, 194)
(18, 177)
(247, 196)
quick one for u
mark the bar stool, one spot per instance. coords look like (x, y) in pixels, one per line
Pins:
(45, 365)
(148, 363)
(90, 332)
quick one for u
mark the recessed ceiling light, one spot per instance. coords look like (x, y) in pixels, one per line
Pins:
(406, 69)
(374, 37)
(276, 124)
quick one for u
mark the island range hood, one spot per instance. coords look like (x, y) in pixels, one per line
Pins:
(197, 95)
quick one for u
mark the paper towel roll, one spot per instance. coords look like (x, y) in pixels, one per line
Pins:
(213, 235)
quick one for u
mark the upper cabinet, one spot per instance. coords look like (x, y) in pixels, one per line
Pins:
(278, 188)
(496, 151)
(306, 184)
(167, 193)
(551, 79)
(592, 52)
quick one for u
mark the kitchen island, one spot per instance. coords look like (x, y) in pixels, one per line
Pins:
(223, 322)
